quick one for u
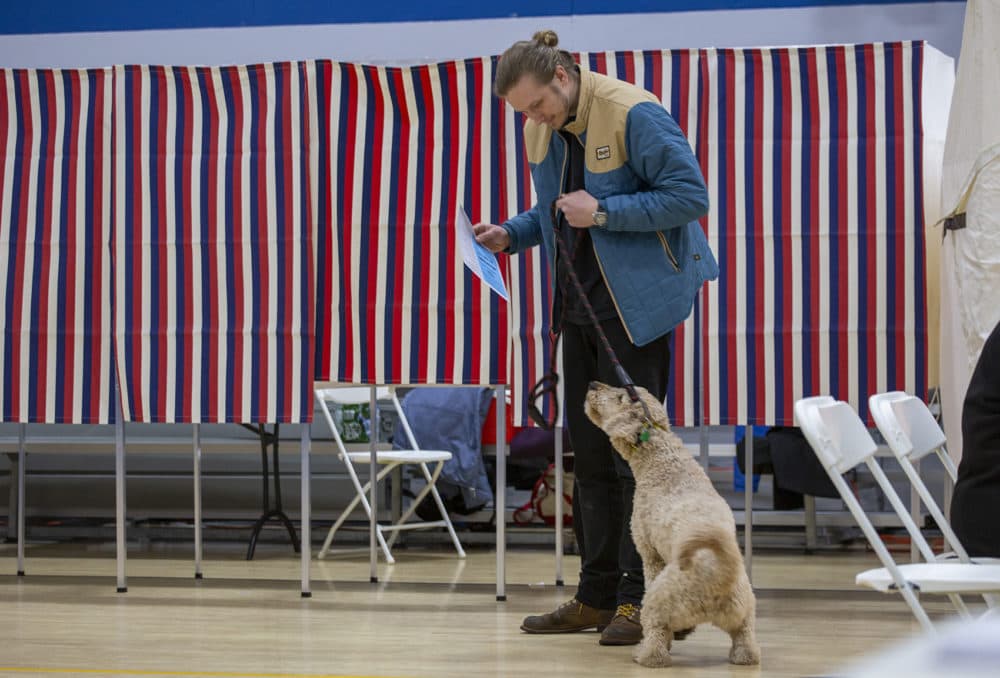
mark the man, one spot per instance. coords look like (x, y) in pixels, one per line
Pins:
(975, 504)
(618, 184)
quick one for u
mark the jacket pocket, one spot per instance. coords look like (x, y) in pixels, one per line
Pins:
(669, 252)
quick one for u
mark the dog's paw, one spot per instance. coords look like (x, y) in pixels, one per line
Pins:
(652, 656)
(744, 655)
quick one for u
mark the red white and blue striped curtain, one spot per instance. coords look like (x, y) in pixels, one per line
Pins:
(814, 165)
(397, 152)
(678, 79)
(214, 284)
(55, 234)
(813, 158)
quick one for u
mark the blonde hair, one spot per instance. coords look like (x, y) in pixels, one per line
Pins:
(537, 57)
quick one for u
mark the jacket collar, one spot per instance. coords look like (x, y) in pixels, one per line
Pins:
(579, 125)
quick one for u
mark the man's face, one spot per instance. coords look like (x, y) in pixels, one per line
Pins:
(545, 104)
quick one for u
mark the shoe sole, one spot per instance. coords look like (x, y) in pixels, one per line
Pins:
(678, 635)
(599, 628)
(602, 641)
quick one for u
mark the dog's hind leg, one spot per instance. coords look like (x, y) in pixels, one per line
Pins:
(745, 649)
(654, 648)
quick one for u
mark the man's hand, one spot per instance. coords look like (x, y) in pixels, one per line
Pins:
(578, 207)
(492, 237)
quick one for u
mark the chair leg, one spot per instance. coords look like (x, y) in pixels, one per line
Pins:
(385, 547)
(431, 479)
(360, 497)
(408, 513)
(960, 607)
(336, 526)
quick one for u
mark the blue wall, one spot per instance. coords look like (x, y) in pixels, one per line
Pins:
(77, 33)
(64, 16)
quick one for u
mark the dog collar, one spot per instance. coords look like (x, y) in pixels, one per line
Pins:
(643, 435)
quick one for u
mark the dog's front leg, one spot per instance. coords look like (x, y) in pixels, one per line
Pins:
(654, 649)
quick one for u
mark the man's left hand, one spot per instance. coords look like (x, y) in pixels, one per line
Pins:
(578, 207)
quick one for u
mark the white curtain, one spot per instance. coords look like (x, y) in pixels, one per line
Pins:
(970, 257)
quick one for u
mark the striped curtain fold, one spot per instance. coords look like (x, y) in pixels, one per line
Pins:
(214, 282)
(815, 170)
(677, 77)
(398, 152)
(813, 159)
(55, 234)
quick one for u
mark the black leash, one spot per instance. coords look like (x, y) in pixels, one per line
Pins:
(549, 381)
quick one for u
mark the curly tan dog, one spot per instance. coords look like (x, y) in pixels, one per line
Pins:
(683, 530)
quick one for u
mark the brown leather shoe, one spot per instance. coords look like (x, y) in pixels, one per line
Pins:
(625, 628)
(569, 617)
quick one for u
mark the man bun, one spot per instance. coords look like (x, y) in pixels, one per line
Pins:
(547, 38)
(537, 58)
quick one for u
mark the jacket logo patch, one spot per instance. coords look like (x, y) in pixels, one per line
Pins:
(603, 152)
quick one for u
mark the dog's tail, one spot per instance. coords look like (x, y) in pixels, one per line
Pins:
(719, 541)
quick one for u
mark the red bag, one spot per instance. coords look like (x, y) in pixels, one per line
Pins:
(542, 504)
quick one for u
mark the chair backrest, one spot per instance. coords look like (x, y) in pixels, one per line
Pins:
(903, 419)
(361, 395)
(835, 432)
(351, 395)
(907, 424)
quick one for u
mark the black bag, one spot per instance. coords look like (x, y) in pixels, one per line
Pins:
(785, 453)
(761, 455)
(796, 467)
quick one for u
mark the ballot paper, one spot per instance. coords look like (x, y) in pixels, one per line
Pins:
(480, 260)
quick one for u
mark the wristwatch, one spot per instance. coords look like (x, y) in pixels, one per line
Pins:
(600, 218)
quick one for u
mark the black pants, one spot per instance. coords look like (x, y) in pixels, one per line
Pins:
(611, 569)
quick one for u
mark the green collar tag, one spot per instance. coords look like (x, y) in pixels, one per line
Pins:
(644, 436)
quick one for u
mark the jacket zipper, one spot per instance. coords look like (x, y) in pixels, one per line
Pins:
(670, 254)
(555, 217)
(562, 172)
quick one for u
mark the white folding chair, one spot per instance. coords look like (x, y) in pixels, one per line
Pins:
(388, 460)
(912, 433)
(841, 442)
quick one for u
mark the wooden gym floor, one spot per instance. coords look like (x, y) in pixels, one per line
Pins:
(431, 615)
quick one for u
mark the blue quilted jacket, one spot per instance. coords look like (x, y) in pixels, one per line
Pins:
(653, 253)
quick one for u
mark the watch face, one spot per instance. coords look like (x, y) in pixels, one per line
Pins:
(600, 218)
